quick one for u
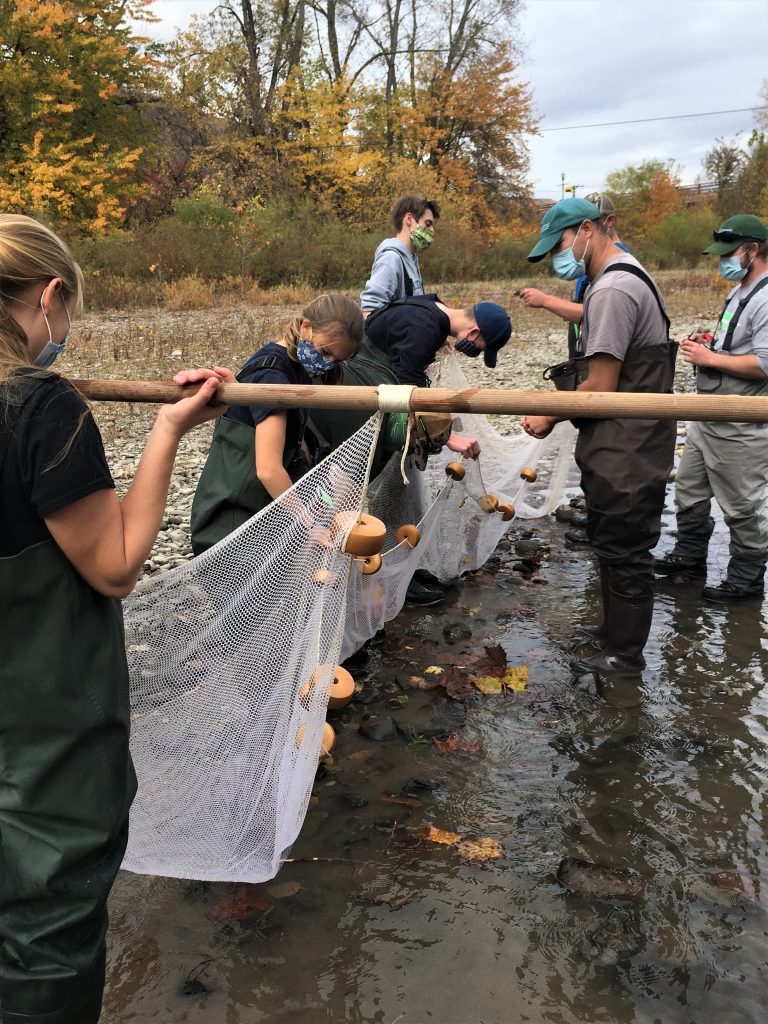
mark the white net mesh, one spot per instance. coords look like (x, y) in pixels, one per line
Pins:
(225, 732)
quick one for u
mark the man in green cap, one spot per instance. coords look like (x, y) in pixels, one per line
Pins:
(728, 461)
(624, 463)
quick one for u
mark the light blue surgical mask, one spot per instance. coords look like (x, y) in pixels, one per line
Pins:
(566, 266)
(315, 364)
(48, 356)
(731, 268)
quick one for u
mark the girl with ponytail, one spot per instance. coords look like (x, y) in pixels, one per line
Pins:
(69, 550)
(258, 453)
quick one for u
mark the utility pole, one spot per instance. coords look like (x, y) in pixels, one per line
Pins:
(562, 184)
(572, 189)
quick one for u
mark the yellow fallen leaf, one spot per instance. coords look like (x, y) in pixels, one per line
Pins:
(433, 670)
(488, 684)
(516, 678)
(479, 849)
(438, 835)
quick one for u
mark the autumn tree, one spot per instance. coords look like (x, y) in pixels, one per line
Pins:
(646, 193)
(71, 126)
(724, 165)
(333, 94)
(741, 173)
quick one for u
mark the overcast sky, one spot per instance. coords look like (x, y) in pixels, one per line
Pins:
(592, 61)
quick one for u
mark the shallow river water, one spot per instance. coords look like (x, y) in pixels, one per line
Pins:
(664, 775)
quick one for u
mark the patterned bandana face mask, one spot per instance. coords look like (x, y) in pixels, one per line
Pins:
(422, 238)
(315, 364)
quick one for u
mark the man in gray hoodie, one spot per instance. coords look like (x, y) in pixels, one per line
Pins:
(395, 273)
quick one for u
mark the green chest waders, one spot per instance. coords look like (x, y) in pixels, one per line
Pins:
(66, 785)
(229, 493)
(333, 427)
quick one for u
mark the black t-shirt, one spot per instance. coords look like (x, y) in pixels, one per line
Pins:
(36, 478)
(411, 333)
(280, 369)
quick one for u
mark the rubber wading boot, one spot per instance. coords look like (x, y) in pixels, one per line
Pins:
(423, 594)
(78, 1002)
(680, 565)
(600, 633)
(87, 1010)
(744, 580)
(628, 626)
(727, 591)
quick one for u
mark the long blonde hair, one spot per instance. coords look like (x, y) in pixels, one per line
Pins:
(334, 315)
(29, 253)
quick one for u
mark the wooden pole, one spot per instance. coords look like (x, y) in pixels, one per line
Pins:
(566, 404)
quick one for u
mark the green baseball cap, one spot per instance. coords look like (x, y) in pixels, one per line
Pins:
(741, 228)
(565, 214)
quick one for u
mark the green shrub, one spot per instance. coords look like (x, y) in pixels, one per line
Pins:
(508, 258)
(679, 239)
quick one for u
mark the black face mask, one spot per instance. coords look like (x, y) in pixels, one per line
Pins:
(468, 348)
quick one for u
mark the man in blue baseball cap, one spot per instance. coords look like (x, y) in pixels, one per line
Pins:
(624, 463)
(409, 333)
(412, 331)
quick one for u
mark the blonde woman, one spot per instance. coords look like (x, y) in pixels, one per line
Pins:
(69, 550)
(258, 453)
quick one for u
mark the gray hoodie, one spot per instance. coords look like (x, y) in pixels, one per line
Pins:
(388, 281)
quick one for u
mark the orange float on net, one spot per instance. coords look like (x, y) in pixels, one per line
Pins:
(370, 564)
(325, 578)
(342, 687)
(410, 534)
(488, 502)
(366, 537)
(327, 743)
(507, 512)
(528, 474)
(455, 471)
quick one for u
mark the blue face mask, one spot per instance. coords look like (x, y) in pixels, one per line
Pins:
(731, 268)
(315, 364)
(566, 266)
(467, 348)
(48, 356)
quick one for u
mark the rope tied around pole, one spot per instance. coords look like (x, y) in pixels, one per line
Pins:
(395, 397)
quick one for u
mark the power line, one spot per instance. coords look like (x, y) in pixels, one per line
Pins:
(645, 120)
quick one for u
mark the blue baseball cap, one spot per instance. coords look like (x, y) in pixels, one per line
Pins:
(495, 329)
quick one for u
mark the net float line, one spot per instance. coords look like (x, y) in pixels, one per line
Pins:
(565, 404)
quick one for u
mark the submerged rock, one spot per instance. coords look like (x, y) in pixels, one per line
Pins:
(456, 631)
(587, 879)
(376, 727)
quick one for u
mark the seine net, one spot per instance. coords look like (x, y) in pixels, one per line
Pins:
(228, 705)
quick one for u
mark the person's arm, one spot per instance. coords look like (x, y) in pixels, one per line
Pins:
(566, 310)
(269, 446)
(385, 283)
(604, 373)
(738, 366)
(108, 540)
